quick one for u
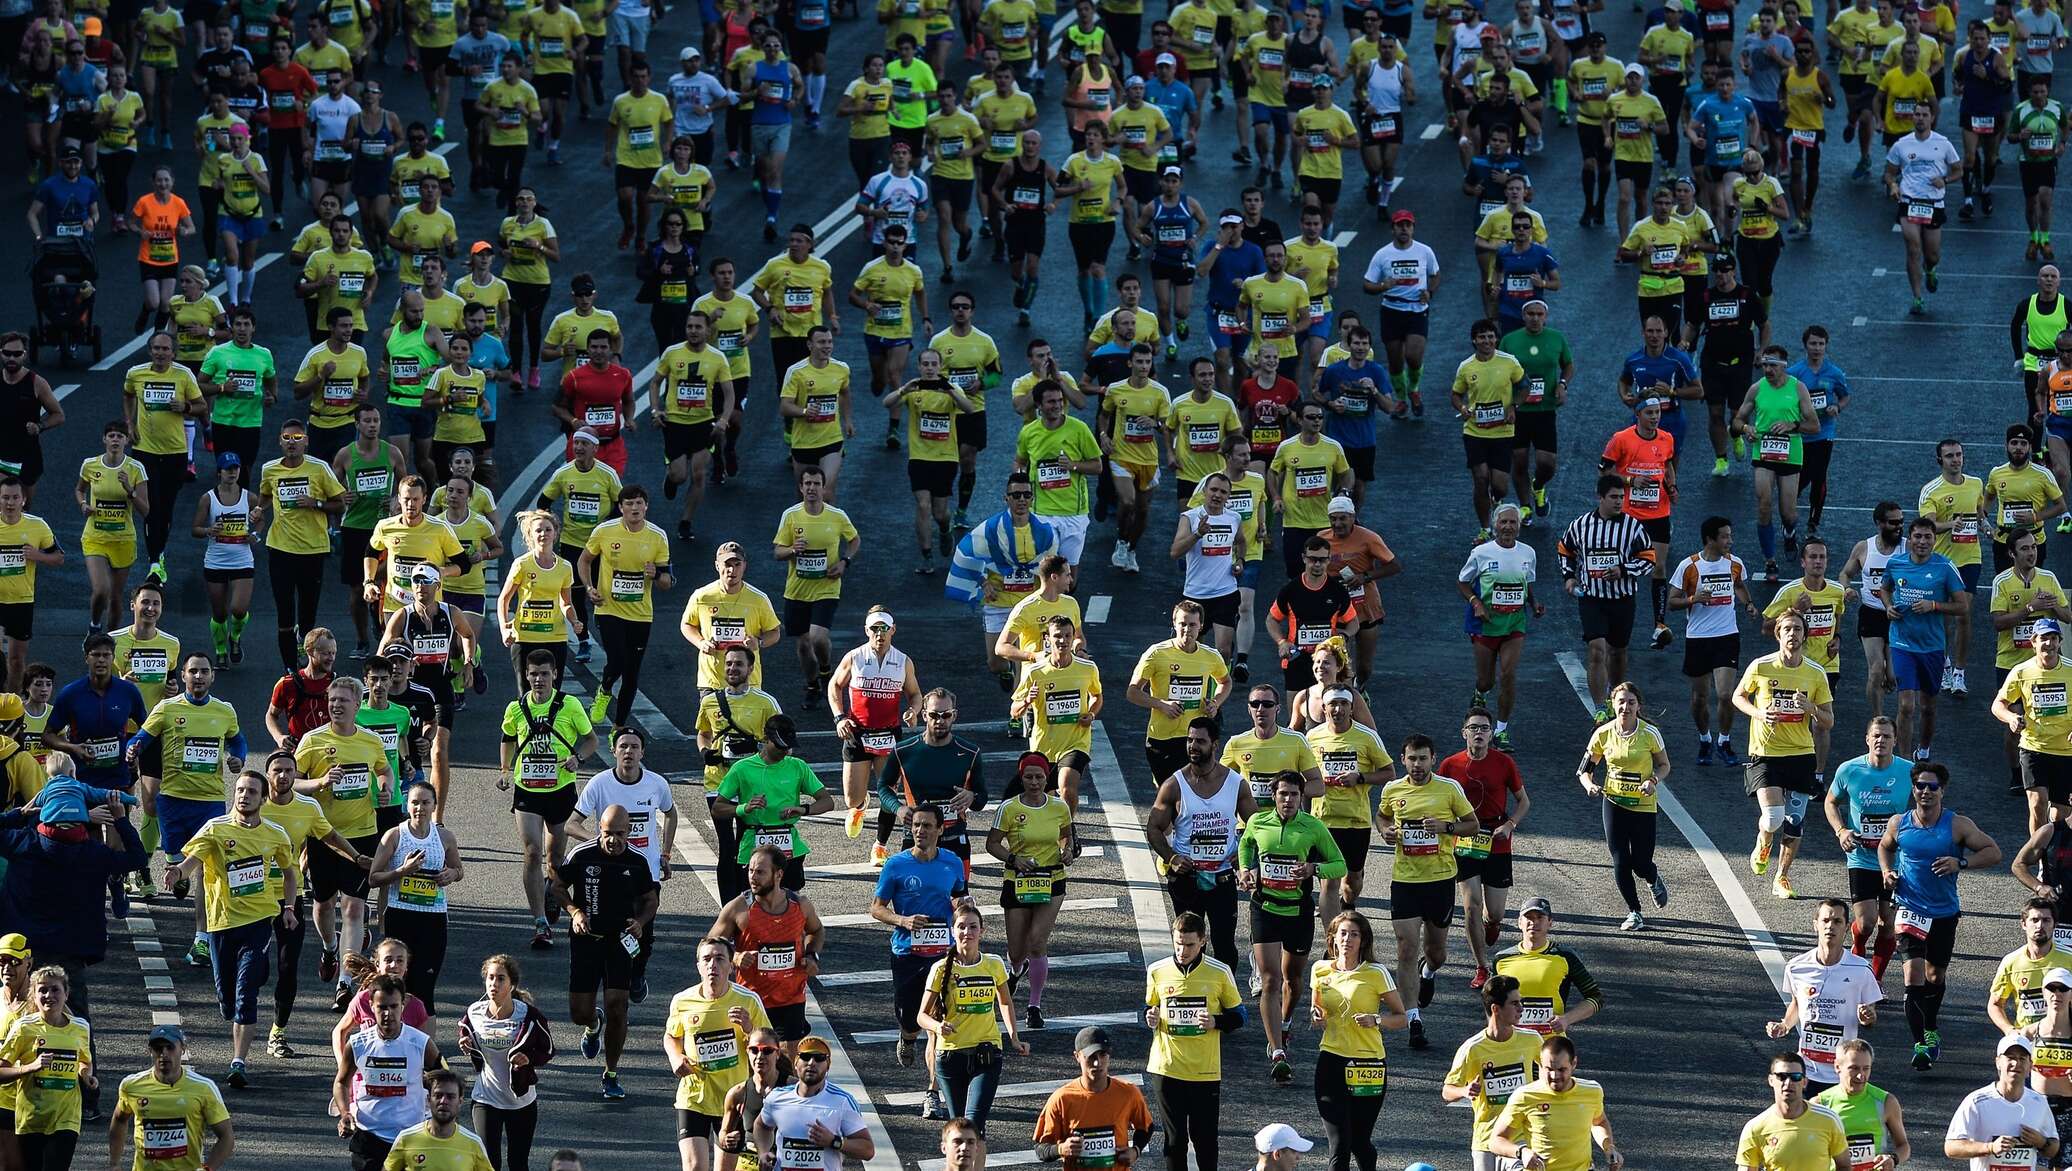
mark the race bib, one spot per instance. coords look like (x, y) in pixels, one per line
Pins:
(246, 876)
(716, 1050)
(1186, 1016)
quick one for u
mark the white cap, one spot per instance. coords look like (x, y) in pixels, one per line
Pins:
(1167, 59)
(1337, 693)
(2057, 976)
(2015, 1041)
(428, 574)
(878, 618)
(1636, 69)
(1228, 220)
(585, 434)
(1342, 504)
(1279, 1136)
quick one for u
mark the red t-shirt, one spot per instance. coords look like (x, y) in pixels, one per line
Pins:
(1268, 412)
(291, 83)
(1489, 783)
(1645, 463)
(596, 397)
(306, 699)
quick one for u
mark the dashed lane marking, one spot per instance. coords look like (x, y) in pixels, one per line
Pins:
(1753, 930)
(1933, 323)
(1097, 608)
(1051, 1024)
(1098, 959)
(1858, 320)
(1433, 131)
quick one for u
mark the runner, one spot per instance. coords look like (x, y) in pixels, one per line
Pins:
(1033, 837)
(379, 1091)
(1861, 801)
(1920, 856)
(1194, 827)
(1603, 555)
(180, 753)
(2004, 1119)
(1491, 1066)
(1918, 169)
(777, 937)
(536, 607)
(546, 736)
(169, 1107)
(917, 891)
(2040, 724)
(1059, 452)
(112, 491)
(968, 996)
(1644, 458)
(1181, 681)
(1708, 585)
(1421, 815)
(1784, 697)
(2020, 496)
(1870, 1116)
(1490, 779)
(1191, 1001)
(227, 565)
(1094, 1118)
(345, 768)
(811, 1116)
(611, 897)
(49, 1053)
(1496, 581)
(709, 1025)
(1281, 851)
(1834, 993)
(367, 472)
(1917, 588)
(770, 793)
(1793, 1133)
(2019, 980)
(1558, 1115)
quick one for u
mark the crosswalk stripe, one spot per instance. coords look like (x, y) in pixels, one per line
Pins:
(863, 918)
(1052, 1024)
(1010, 1090)
(1099, 959)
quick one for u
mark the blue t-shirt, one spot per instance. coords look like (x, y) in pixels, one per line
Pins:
(492, 355)
(1673, 369)
(99, 723)
(914, 887)
(1828, 387)
(1511, 164)
(66, 201)
(1176, 99)
(1232, 268)
(1512, 294)
(1765, 75)
(1355, 427)
(1934, 579)
(1872, 795)
(1724, 122)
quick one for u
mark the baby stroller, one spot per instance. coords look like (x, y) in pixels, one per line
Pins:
(61, 280)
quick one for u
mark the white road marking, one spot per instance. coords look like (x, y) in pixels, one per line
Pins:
(137, 343)
(1753, 930)
(1433, 131)
(989, 910)
(1345, 239)
(1126, 831)
(1097, 608)
(1073, 1023)
(1999, 326)
(1858, 320)
(59, 393)
(1098, 959)
(1879, 271)
(1011, 1090)
(1944, 274)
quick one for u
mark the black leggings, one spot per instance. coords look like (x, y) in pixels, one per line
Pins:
(242, 440)
(115, 176)
(506, 174)
(48, 1152)
(1187, 1112)
(297, 580)
(527, 330)
(733, 876)
(287, 948)
(625, 646)
(1813, 477)
(1348, 1118)
(168, 474)
(867, 158)
(1759, 262)
(211, 204)
(425, 932)
(573, 554)
(283, 153)
(500, 1130)
(1630, 837)
(1218, 905)
(519, 651)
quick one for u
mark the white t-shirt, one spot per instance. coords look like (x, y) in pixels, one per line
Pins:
(645, 801)
(1209, 561)
(330, 117)
(1921, 160)
(1828, 996)
(1984, 1116)
(1710, 587)
(1408, 272)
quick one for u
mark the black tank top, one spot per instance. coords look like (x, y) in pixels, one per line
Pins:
(1306, 61)
(2057, 864)
(1025, 194)
(18, 409)
(430, 639)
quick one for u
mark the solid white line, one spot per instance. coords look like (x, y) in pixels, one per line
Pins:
(887, 1036)
(1097, 608)
(1345, 239)
(993, 1159)
(137, 343)
(990, 910)
(1126, 831)
(1930, 321)
(1433, 131)
(1099, 959)
(1758, 936)
(849, 228)
(60, 393)
(841, 1071)
(1011, 1090)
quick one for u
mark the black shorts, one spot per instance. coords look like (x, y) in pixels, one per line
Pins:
(691, 1124)
(158, 272)
(1091, 242)
(1178, 274)
(1867, 886)
(1354, 842)
(810, 457)
(1935, 219)
(683, 440)
(933, 476)
(632, 178)
(1486, 450)
(1397, 324)
(1538, 430)
(554, 85)
(1221, 611)
(1492, 871)
(336, 172)
(1638, 174)
(1610, 619)
(1361, 460)
(971, 430)
(352, 550)
(1590, 141)
(909, 982)
(806, 43)
(2038, 176)
(1703, 656)
(1025, 235)
(799, 617)
(553, 806)
(1939, 945)
(18, 620)
(1873, 623)
(2049, 772)
(593, 961)
(1326, 190)
(853, 751)
(1793, 774)
(388, 817)
(954, 192)
(437, 58)
(1297, 933)
(219, 577)
(788, 1021)
(332, 874)
(1013, 902)
(1725, 384)
(1142, 186)
(1429, 901)
(1778, 467)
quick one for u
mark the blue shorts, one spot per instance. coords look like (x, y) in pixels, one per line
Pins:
(1236, 343)
(1249, 579)
(1969, 574)
(1771, 115)
(1917, 670)
(247, 231)
(885, 345)
(1278, 115)
(414, 422)
(2059, 426)
(180, 818)
(238, 961)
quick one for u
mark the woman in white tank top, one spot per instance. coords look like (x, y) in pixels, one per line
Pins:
(416, 861)
(223, 518)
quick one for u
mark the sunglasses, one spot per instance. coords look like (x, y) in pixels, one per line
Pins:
(14, 353)
(939, 715)
(1021, 496)
(813, 1057)
(1787, 1075)
(1928, 786)
(761, 1049)
(1258, 703)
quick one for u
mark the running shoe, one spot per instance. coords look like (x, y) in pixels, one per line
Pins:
(610, 1087)
(1133, 567)
(640, 991)
(853, 825)
(1704, 754)
(879, 852)
(198, 954)
(1727, 758)
(327, 966)
(1770, 570)
(1781, 888)
(905, 1051)
(1427, 987)
(1930, 279)
(1539, 501)
(1504, 742)
(1917, 308)
(959, 520)
(1933, 1040)
(1985, 202)
(1661, 636)
(933, 1109)
(277, 1043)
(1283, 1073)
(2065, 523)
(1965, 212)
(1033, 1017)
(1634, 922)
(1719, 467)
(1862, 171)
(1923, 1061)
(1418, 1040)
(236, 1077)
(1120, 559)
(1957, 687)
(583, 651)
(542, 936)
(341, 997)
(1603, 714)
(1492, 931)
(1759, 858)
(1481, 978)
(600, 705)
(1740, 448)
(593, 1037)
(1660, 889)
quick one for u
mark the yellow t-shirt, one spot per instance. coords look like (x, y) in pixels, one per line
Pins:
(1757, 222)
(639, 124)
(731, 321)
(971, 1008)
(1060, 696)
(821, 390)
(746, 713)
(1556, 1125)
(587, 498)
(1096, 204)
(686, 191)
(170, 1124)
(953, 139)
(931, 426)
(969, 362)
(150, 663)
(1903, 91)
(826, 534)
(571, 331)
(1634, 119)
(1422, 856)
(195, 746)
(111, 525)
(713, 1043)
(1135, 133)
(1486, 389)
(526, 262)
(161, 398)
(1629, 762)
(1823, 619)
(303, 820)
(1307, 473)
(1259, 761)
(1002, 118)
(1315, 265)
(730, 620)
(17, 572)
(348, 804)
(1199, 429)
(289, 527)
(1791, 692)
(1137, 414)
(1187, 678)
(1661, 249)
(620, 571)
(1279, 308)
(2017, 644)
(337, 394)
(537, 613)
(2020, 496)
(1810, 1142)
(797, 292)
(1037, 833)
(1185, 1045)
(877, 103)
(2046, 706)
(690, 382)
(1344, 995)
(417, 1149)
(427, 232)
(1594, 82)
(1317, 137)
(890, 290)
(429, 542)
(235, 861)
(552, 37)
(1959, 504)
(460, 415)
(1266, 61)
(1503, 1067)
(1345, 758)
(47, 1101)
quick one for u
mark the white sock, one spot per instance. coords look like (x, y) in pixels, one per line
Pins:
(231, 277)
(1411, 1013)
(816, 89)
(1501, 725)
(251, 283)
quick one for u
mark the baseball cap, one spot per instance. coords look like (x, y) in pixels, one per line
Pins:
(91, 26)
(481, 246)
(1636, 69)
(690, 53)
(1167, 59)
(2046, 626)
(429, 574)
(170, 1034)
(228, 459)
(815, 1045)
(1134, 82)
(1092, 1038)
(1594, 39)
(396, 650)
(1537, 903)
(2054, 976)
(1229, 220)
(15, 944)
(731, 550)
(1279, 1136)
(582, 285)
(1341, 504)
(1403, 217)
(2015, 1041)
(240, 130)
(1653, 400)
(1173, 169)
(1489, 32)
(70, 154)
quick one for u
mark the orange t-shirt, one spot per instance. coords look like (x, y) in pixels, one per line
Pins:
(1110, 1115)
(1364, 550)
(158, 228)
(1644, 462)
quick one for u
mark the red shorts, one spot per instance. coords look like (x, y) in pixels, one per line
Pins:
(1494, 642)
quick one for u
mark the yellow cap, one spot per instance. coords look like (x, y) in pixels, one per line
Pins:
(14, 944)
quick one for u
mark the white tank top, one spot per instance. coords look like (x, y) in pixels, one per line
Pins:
(233, 550)
(1874, 572)
(420, 891)
(388, 1081)
(1385, 87)
(1209, 561)
(1207, 830)
(875, 687)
